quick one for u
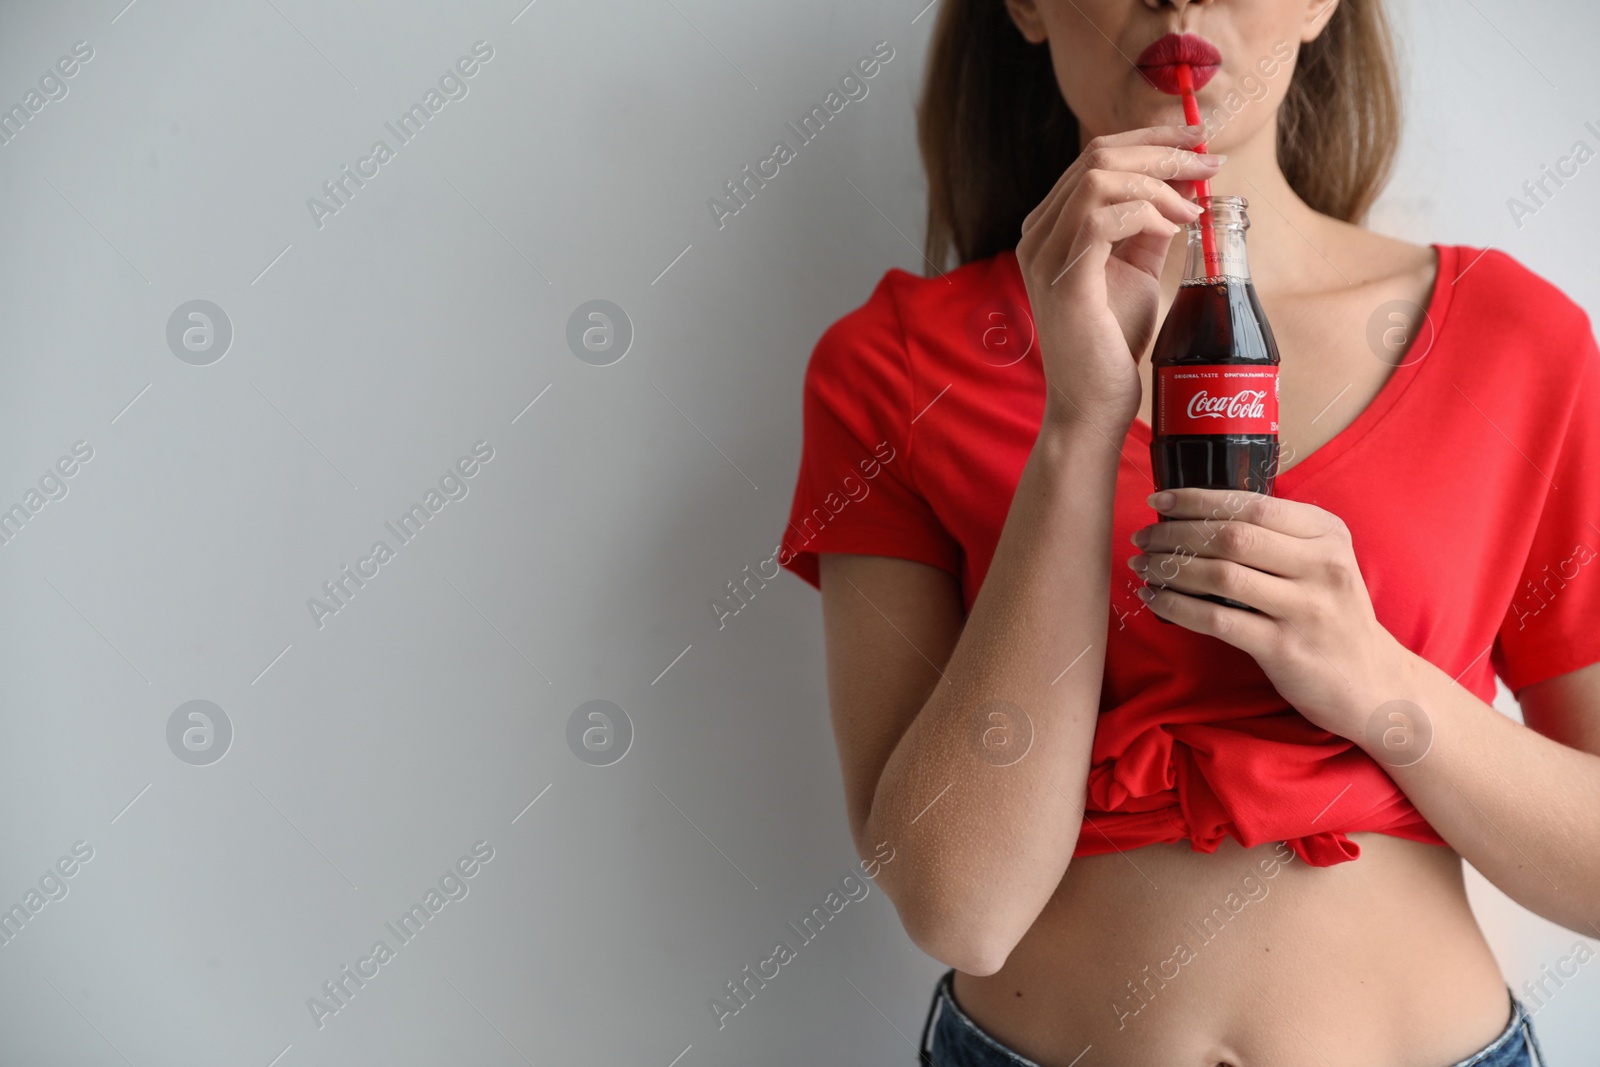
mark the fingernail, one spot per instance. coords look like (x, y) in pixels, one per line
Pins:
(1162, 501)
(1138, 564)
(1141, 537)
(1213, 159)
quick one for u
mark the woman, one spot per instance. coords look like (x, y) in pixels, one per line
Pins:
(1235, 839)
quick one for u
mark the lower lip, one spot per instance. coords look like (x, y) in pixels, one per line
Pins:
(1165, 77)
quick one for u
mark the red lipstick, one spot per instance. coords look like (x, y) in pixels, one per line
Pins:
(1160, 61)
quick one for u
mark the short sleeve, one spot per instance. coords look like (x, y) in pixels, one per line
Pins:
(1550, 627)
(855, 491)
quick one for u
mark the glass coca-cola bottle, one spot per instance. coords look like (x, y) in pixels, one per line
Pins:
(1214, 370)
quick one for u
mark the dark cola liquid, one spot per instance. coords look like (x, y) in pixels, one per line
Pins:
(1213, 323)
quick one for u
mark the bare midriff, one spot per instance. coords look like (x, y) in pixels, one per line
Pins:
(1248, 958)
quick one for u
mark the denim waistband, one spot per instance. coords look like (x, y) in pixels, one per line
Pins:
(951, 1039)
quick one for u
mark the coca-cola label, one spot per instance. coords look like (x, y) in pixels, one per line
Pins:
(1223, 398)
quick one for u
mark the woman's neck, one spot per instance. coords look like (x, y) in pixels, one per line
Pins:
(1287, 237)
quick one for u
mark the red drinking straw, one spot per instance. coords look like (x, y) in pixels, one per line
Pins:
(1202, 188)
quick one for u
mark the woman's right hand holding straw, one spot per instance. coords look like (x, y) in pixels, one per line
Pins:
(1091, 255)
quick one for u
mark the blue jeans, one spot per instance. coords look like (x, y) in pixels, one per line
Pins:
(950, 1039)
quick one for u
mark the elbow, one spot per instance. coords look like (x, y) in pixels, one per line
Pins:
(957, 940)
(963, 921)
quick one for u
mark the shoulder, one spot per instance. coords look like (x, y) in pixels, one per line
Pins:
(1485, 288)
(909, 319)
(1520, 346)
(1496, 296)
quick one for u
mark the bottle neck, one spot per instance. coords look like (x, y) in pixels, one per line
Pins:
(1235, 265)
(1219, 231)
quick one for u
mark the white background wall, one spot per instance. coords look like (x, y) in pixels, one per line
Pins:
(368, 355)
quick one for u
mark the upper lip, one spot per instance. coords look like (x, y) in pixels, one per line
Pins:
(1174, 48)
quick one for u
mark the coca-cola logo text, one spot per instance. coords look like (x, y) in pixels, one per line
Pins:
(1245, 404)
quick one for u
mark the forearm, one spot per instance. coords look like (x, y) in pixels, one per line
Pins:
(982, 836)
(1521, 808)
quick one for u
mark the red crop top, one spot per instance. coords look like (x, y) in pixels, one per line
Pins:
(1471, 486)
